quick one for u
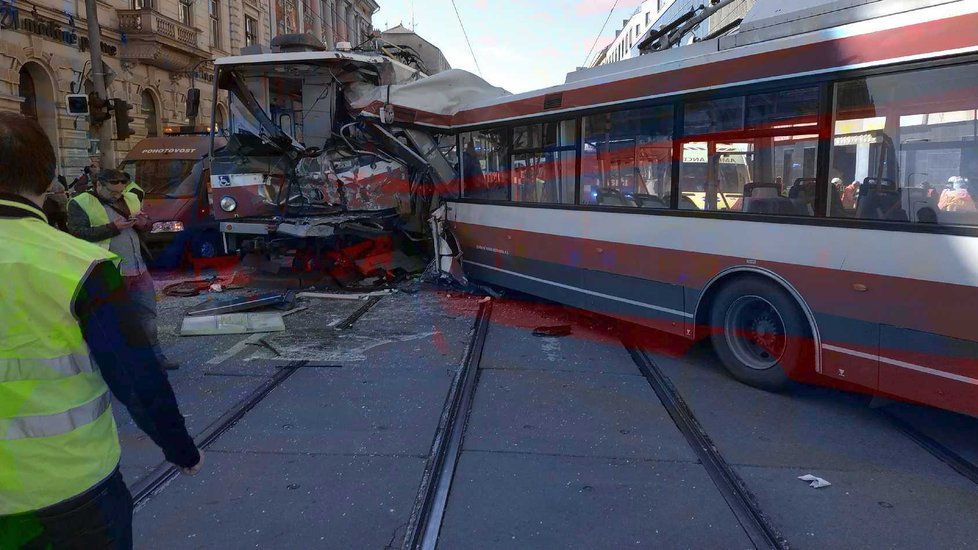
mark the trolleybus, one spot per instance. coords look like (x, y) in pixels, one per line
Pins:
(814, 213)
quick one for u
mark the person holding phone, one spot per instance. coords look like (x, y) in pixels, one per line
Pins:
(108, 215)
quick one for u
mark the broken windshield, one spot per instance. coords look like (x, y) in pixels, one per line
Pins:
(286, 105)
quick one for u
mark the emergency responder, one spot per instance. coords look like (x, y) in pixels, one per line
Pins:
(65, 343)
(134, 188)
(109, 216)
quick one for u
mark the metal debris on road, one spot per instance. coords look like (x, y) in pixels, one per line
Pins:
(816, 482)
(553, 332)
(232, 323)
(238, 304)
(344, 296)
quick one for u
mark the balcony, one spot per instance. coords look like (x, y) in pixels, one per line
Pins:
(154, 39)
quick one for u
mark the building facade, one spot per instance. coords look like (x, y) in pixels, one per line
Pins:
(154, 50)
(626, 40)
(432, 58)
(332, 21)
(655, 14)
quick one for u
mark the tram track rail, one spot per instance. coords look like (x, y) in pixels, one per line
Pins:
(152, 484)
(938, 450)
(144, 489)
(756, 525)
(424, 524)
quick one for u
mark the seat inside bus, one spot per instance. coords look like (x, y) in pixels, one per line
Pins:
(880, 199)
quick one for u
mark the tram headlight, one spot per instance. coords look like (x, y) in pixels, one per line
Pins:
(228, 204)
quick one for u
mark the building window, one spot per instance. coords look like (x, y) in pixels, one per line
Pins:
(214, 7)
(287, 15)
(148, 106)
(250, 31)
(326, 17)
(27, 91)
(186, 12)
(142, 4)
(308, 19)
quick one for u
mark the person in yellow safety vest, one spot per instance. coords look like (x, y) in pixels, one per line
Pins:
(108, 216)
(134, 188)
(65, 346)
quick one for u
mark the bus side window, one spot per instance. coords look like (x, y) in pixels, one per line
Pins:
(905, 147)
(627, 158)
(485, 165)
(722, 174)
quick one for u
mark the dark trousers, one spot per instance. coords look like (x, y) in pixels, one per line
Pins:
(143, 294)
(100, 518)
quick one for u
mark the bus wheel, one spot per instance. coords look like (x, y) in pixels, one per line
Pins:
(759, 333)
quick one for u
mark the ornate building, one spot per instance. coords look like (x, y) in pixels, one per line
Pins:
(154, 50)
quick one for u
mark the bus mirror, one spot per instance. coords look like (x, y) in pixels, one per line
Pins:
(193, 102)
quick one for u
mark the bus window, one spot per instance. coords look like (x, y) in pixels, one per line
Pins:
(485, 165)
(543, 162)
(627, 158)
(772, 173)
(906, 148)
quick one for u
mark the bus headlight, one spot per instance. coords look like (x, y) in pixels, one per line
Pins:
(167, 227)
(228, 204)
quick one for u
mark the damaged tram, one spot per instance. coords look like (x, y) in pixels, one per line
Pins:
(306, 183)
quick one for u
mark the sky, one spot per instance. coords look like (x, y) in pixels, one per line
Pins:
(520, 45)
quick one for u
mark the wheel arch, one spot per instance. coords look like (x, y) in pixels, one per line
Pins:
(705, 301)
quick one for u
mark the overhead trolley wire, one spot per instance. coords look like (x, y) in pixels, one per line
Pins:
(457, 14)
(598, 37)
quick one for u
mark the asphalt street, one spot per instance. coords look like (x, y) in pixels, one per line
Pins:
(566, 444)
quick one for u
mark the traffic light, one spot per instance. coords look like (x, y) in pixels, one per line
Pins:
(193, 102)
(122, 119)
(98, 109)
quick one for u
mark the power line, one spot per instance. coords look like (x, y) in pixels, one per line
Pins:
(596, 38)
(466, 35)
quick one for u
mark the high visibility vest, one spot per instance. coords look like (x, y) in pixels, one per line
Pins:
(135, 190)
(57, 434)
(96, 210)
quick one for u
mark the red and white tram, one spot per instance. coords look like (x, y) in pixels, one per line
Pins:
(802, 192)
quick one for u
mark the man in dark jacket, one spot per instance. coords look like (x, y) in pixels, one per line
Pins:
(65, 346)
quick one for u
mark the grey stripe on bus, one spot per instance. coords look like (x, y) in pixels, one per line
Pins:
(584, 291)
(625, 291)
(54, 424)
(12, 370)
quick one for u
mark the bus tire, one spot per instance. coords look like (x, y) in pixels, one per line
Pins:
(759, 333)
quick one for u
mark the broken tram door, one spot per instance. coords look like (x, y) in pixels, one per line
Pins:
(311, 186)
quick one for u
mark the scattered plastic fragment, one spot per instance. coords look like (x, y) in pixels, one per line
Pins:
(816, 482)
(553, 332)
(232, 323)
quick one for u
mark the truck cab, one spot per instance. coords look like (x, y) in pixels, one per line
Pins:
(174, 172)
